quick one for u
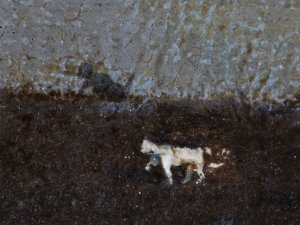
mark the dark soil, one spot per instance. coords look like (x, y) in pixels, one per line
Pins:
(77, 161)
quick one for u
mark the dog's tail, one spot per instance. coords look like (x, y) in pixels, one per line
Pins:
(212, 165)
(215, 165)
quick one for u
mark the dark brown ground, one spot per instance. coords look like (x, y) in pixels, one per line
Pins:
(76, 162)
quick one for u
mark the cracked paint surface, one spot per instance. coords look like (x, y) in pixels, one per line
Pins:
(173, 48)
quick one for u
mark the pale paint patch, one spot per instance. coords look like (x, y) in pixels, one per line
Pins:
(215, 165)
(298, 67)
(208, 20)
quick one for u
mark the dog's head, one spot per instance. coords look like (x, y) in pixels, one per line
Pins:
(146, 146)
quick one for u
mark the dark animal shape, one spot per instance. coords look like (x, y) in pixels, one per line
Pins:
(101, 83)
(85, 70)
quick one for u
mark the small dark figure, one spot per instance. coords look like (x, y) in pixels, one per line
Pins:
(101, 83)
(116, 90)
(85, 70)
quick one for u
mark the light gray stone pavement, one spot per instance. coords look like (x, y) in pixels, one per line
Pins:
(196, 49)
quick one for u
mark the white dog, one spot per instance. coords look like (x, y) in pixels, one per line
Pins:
(168, 156)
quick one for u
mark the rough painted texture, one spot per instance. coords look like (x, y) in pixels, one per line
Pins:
(177, 48)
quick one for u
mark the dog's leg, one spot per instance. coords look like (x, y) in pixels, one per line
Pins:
(155, 160)
(166, 163)
(189, 173)
(199, 170)
(148, 166)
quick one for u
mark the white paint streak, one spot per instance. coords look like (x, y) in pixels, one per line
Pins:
(208, 20)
